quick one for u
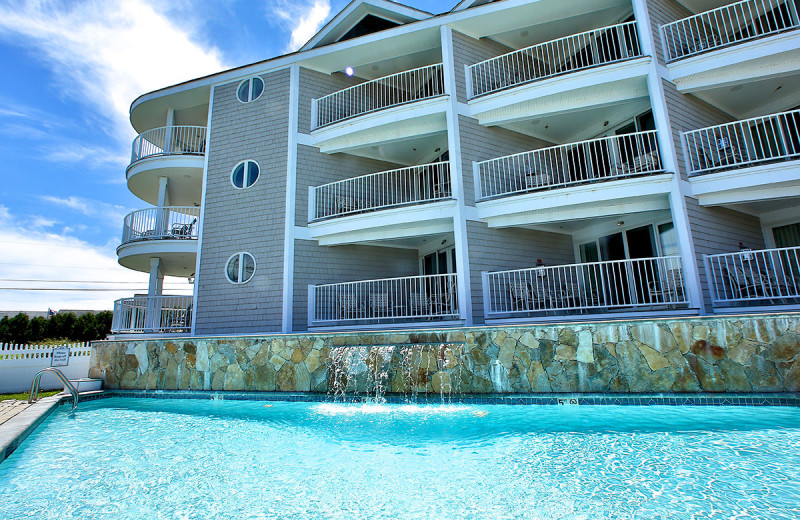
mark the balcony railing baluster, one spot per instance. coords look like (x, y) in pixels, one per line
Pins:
(169, 140)
(171, 222)
(561, 56)
(727, 25)
(748, 142)
(385, 300)
(152, 314)
(413, 185)
(633, 284)
(606, 158)
(370, 96)
(766, 276)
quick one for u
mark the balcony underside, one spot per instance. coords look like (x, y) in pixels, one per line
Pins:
(587, 201)
(178, 256)
(393, 124)
(763, 182)
(746, 78)
(388, 224)
(184, 174)
(591, 88)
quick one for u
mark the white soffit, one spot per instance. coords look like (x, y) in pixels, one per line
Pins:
(355, 12)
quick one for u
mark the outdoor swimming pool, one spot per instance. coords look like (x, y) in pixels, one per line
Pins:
(146, 458)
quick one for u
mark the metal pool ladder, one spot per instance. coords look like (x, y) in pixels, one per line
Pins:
(69, 386)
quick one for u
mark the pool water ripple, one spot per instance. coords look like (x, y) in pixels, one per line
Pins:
(128, 458)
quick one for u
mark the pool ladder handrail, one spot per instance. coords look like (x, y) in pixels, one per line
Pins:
(67, 384)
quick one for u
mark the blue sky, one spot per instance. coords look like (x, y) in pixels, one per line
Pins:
(70, 70)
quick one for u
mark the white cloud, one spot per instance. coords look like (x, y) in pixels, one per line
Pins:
(30, 253)
(105, 54)
(303, 18)
(112, 213)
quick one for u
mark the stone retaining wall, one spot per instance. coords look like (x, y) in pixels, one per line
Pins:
(711, 354)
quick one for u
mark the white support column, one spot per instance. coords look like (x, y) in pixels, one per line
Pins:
(291, 199)
(155, 284)
(463, 278)
(669, 159)
(168, 132)
(202, 211)
(162, 215)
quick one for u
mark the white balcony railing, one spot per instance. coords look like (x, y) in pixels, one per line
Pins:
(606, 158)
(167, 223)
(770, 276)
(392, 188)
(727, 25)
(169, 140)
(384, 300)
(152, 314)
(743, 143)
(648, 283)
(385, 92)
(561, 56)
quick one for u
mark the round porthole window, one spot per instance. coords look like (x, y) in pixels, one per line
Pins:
(245, 174)
(240, 268)
(250, 89)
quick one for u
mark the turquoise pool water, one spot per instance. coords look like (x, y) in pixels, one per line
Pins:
(143, 458)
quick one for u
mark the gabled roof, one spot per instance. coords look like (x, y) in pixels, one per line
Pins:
(466, 4)
(356, 11)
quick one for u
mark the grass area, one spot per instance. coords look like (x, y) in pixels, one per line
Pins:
(24, 396)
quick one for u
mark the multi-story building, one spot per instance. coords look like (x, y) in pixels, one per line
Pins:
(508, 160)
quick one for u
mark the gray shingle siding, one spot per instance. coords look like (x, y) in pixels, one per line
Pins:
(250, 219)
(719, 230)
(314, 85)
(481, 143)
(510, 248)
(468, 51)
(315, 264)
(315, 168)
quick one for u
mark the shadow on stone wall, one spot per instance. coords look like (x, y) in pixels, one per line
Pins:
(710, 354)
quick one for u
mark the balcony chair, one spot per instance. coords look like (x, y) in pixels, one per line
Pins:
(379, 304)
(442, 299)
(521, 297)
(183, 230)
(348, 307)
(420, 304)
(668, 289)
(645, 162)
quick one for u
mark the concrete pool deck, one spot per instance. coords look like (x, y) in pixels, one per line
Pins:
(18, 419)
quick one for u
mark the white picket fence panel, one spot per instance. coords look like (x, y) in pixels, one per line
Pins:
(19, 363)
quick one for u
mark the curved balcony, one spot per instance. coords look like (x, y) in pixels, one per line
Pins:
(174, 152)
(406, 199)
(169, 233)
(152, 314)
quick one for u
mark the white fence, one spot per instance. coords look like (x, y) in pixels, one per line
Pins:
(651, 283)
(19, 363)
(377, 94)
(386, 189)
(600, 159)
(766, 276)
(384, 300)
(153, 314)
(727, 25)
(561, 56)
(172, 222)
(169, 140)
(743, 143)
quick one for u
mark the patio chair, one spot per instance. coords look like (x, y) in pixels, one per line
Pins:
(668, 288)
(420, 304)
(183, 230)
(645, 162)
(379, 304)
(521, 297)
(348, 307)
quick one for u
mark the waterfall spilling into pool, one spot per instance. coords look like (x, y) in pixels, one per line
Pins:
(373, 371)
